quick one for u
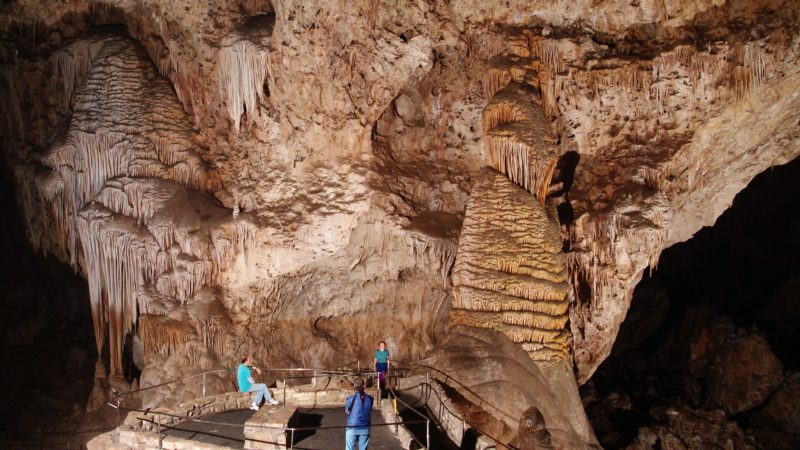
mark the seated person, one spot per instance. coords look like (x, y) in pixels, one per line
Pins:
(246, 384)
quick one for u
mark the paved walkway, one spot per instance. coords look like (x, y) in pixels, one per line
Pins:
(381, 438)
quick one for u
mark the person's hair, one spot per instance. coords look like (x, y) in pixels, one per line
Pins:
(244, 358)
(382, 342)
(358, 384)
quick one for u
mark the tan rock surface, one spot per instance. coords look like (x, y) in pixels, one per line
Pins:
(342, 205)
(509, 273)
(498, 383)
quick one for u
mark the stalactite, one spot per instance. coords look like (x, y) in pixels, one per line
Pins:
(243, 69)
(518, 139)
(10, 96)
(162, 335)
(518, 45)
(210, 319)
(501, 70)
(482, 46)
(123, 196)
(594, 265)
(72, 63)
(547, 51)
(441, 250)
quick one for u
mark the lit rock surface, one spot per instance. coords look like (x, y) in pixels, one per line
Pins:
(509, 273)
(507, 383)
(333, 148)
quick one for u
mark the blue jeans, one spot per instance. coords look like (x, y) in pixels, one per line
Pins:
(362, 434)
(261, 393)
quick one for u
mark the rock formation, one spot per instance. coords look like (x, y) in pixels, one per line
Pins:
(498, 384)
(291, 178)
(509, 273)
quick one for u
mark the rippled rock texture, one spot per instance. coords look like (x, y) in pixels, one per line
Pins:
(291, 178)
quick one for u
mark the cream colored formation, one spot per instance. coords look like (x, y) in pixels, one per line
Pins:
(518, 137)
(121, 197)
(510, 272)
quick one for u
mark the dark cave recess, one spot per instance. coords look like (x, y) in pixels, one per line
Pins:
(734, 286)
(47, 344)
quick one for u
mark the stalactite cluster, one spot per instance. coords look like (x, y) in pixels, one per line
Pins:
(120, 197)
(71, 64)
(518, 136)
(243, 70)
(510, 273)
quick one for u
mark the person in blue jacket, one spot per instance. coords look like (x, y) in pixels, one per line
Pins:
(246, 384)
(359, 417)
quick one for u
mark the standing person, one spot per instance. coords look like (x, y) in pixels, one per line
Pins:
(382, 361)
(359, 417)
(246, 384)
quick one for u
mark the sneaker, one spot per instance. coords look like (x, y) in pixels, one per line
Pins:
(272, 401)
(254, 407)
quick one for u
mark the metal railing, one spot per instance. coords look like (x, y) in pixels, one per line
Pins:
(425, 392)
(290, 431)
(315, 373)
(481, 401)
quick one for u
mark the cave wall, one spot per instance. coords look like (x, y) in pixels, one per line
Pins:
(337, 142)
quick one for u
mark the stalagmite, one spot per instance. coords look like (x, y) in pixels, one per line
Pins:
(510, 273)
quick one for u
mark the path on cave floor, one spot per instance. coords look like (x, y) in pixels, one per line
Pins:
(233, 436)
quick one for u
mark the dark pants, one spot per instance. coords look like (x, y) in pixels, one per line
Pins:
(382, 369)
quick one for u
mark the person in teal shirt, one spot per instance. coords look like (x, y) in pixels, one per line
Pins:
(246, 384)
(382, 361)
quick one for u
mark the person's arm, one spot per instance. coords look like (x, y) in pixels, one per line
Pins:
(250, 377)
(375, 364)
(347, 404)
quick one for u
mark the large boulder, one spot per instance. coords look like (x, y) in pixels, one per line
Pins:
(740, 370)
(682, 428)
(783, 407)
(488, 365)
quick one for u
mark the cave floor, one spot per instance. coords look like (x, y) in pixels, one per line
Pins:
(232, 436)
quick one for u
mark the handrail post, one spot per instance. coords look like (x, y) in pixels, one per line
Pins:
(116, 397)
(428, 434)
(291, 444)
(427, 386)
(284, 391)
(204, 385)
(158, 424)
